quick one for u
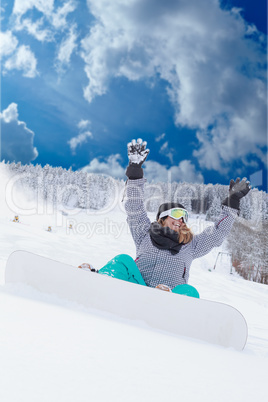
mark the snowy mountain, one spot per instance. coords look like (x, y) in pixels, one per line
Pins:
(52, 349)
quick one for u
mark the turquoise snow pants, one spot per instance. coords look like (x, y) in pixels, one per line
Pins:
(124, 267)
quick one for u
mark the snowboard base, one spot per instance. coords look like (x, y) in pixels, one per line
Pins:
(208, 321)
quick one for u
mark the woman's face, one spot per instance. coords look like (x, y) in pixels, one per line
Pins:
(174, 224)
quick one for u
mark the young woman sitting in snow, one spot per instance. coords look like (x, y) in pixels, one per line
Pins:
(166, 248)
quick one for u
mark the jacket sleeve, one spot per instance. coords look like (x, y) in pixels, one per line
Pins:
(137, 218)
(213, 236)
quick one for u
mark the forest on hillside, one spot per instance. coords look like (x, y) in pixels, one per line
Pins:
(77, 189)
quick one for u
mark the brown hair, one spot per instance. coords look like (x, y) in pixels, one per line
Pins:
(185, 235)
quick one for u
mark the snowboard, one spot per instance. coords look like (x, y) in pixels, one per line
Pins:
(180, 315)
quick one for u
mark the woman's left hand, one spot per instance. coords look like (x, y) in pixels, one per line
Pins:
(237, 190)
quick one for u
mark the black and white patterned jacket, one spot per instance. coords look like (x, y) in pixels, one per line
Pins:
(160, 266)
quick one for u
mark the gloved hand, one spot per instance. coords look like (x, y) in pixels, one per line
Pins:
(137, 153)
(237, 190)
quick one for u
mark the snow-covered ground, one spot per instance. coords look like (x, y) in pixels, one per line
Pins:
(55, 350)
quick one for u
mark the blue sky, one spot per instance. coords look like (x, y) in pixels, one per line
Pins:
(80, 79)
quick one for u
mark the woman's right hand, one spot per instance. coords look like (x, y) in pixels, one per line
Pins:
(137, 152)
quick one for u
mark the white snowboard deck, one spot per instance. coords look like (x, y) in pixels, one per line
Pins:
(209, 321)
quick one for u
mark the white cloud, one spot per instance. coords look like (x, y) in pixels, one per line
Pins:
(160, 137)
(212, 60)
(167, 151)
(83, 124)
(23, 59)
(79, 140)
(2, 12)
(17, 58)
(164, 147)
(110, 167)
(153, 171)
(82, 137)
(59, 16)
(10, 113)
(236, 139)
(16, 139)
(66, 48)
(34, 28)
(22, 6)
(185, 171)
(46, 22)
(8, 43)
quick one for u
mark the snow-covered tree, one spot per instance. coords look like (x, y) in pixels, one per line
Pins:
(214, 210)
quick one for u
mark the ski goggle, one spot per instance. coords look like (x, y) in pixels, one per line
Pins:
(176, 213)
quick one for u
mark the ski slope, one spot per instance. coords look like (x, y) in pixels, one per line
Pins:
(56, 350)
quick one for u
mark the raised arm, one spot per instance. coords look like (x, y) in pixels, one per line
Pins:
(138, 220)
(214, 235)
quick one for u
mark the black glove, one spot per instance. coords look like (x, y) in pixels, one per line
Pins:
(137, 153)
(237, 190)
